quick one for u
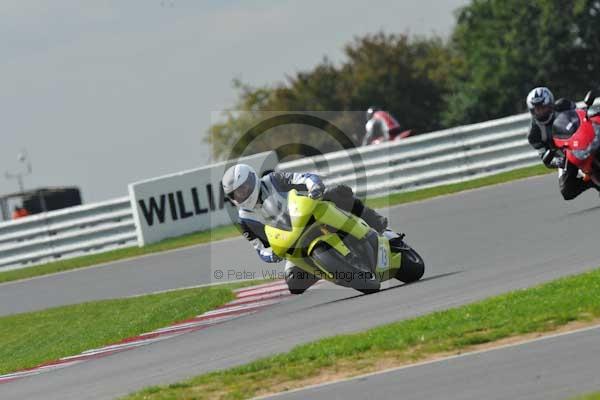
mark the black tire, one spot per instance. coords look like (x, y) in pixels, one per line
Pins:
(412, 268)
(346, 270)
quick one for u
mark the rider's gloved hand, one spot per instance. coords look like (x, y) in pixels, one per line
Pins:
(557, 162)
(275, 258)
(316, 192)
(268, 256)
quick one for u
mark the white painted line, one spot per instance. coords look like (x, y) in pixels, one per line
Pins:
(190, 324)
(243, 291)
(240, 307)
(35, 371)
(260, 297)
(262, 285)
(113, 347)
(439, 360)
(264, 291)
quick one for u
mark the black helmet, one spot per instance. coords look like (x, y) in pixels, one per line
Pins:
(372, 110)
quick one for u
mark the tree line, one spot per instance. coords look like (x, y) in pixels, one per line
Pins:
(497, 52)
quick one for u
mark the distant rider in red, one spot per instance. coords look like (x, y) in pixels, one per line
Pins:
(379, 124)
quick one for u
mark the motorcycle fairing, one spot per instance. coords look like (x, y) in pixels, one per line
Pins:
(301, 209)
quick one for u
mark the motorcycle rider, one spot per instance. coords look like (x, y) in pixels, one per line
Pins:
(379, 123)
(259, 201)
(543, 109)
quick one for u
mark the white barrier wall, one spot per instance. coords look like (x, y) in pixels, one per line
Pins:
(70, 232)
(185, 202)
(432, 159)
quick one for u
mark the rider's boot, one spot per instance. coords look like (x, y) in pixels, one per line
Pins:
(396, 240)
(370, 216)
(344, 198)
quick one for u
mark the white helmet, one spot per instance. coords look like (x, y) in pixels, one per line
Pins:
(241, 185)
(540, 102)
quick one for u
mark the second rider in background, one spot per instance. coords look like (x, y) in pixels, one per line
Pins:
(543, 109)
(380, 124)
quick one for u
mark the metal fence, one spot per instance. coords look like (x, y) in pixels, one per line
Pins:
(433, 159)
(67, 233)
(437, 158)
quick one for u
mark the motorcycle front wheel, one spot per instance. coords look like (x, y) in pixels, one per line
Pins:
(412, 267)
(346, 270)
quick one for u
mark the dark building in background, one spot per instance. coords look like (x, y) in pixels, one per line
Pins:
(40, 200)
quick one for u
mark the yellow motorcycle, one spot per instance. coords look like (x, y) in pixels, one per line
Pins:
(338, 246)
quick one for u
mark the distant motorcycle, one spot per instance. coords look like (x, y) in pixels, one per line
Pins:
(377, 131)
(576, 134)
(394, 136)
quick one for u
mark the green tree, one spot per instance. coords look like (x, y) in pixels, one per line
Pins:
(507, 47)
(406, 76)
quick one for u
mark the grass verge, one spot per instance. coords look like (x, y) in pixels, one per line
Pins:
(543, 308)
(230, 231)
(408, 197)
(29, 339)
(590, 396)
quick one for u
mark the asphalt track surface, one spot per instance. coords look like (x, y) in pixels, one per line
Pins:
(552, 368)
(475, 244)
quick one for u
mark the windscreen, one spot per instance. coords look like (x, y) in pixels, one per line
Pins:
(276, 212)
(565, 124)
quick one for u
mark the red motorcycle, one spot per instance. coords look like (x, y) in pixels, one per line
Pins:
(395, 134)
(576, 133)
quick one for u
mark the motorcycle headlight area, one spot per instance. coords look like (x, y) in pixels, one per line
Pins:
(585, 153)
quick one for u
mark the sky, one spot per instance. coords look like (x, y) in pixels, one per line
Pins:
(105, 93)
